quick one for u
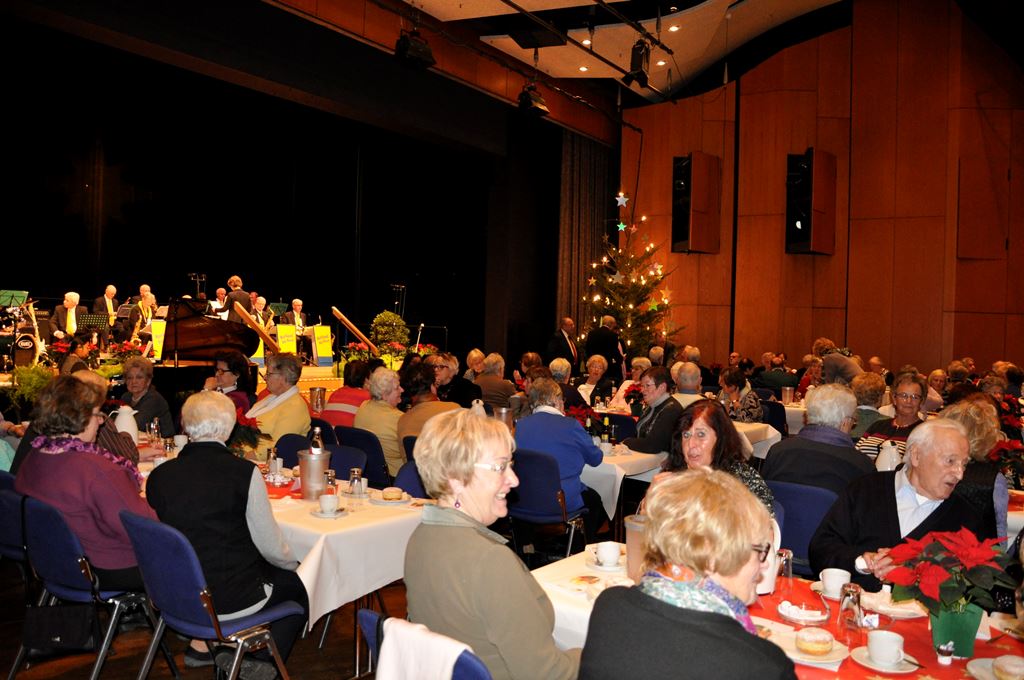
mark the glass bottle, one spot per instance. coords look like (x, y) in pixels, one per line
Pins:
(330, 486)
(316, 445)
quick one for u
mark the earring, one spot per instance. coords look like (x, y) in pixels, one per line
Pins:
(458, 503)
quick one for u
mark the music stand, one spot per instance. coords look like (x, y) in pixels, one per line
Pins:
(124, 311)
(93, 320)
(13, 298)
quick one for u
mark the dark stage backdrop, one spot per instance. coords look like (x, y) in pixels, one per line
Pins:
(118, 169)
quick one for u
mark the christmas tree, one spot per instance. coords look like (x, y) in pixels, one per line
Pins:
(628, 283)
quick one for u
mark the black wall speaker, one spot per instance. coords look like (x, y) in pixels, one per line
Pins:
(696, 203)
(811, 203)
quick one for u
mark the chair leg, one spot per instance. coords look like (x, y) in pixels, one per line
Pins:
(108, 639)
(277, 659)
(236, 663)
(323, 633)
(19, 658)
(572, 534)
(147, 662)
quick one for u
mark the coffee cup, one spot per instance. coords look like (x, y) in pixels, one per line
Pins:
(833, 580)
(328, 503)
(885, 648)
(608, 554)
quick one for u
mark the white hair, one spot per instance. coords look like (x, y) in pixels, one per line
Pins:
(208, 416)
(494, 364)
(381, 382)
(829, 405)
(72, 297)
(693, 353)
(688, 375)
(924, 435)
(560, 368)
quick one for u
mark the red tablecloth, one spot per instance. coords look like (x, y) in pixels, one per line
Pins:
(282, 491)
(917, 639)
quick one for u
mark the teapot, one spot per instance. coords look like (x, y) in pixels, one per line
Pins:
(125, 422)
(889, 457)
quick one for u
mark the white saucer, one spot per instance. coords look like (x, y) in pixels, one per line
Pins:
(882, 603)
(381, 501)
(820, 589)
(787, 642)
(327, 515)
(592, 563)
(981, 669)
(860, 655)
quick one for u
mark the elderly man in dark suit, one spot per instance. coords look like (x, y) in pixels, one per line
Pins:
(65, 320)
(563, 344)
(881, 509)
(107, 304)
(604, 340)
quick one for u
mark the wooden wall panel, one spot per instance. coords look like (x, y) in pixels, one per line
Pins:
(871, 304)
(916, 275)
(988, 79)
(346, 14)
(830, 271)
(981, 286)
(984, 187)
(980, 336)
(1013, 347)
(921, 123)
(758, 277)
(1015, 255)
(873, 109)
(834, 70)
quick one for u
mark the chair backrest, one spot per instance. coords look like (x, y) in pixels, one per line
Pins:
(326, 430)
(409, 444)
(6, 480)
(539, 496)
(369, 623)
(804, 507)
(288, 447)
(55, 552)
(774, 413)
(376, 467)
(469, 667)
(344, 458)
(780, 515)
(626, 425)
(170, 569)
(408, 480)
(12, 542)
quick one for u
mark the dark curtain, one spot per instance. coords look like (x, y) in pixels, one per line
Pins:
(586, 196)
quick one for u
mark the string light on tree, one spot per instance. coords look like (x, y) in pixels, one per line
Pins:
(621, 200)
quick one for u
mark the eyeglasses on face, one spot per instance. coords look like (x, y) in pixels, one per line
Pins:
(762, 550)
(495, 467)
(907, 396)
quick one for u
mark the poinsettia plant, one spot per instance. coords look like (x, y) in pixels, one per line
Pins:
(246, 436)
(1008, 454)
(633, 394)
(947, 570)
(581, 414)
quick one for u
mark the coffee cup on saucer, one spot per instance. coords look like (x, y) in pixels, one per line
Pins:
(607, 554)
(328, 503)
(885, 648)
(832, 581)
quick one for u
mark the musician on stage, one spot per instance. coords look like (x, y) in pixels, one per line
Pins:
(107, 304)
(64, 320)
(141, 315)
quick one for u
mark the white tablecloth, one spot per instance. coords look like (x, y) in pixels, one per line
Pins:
(1014, 523)
(761, 436)
(795, 418)
(606, 479)
(572, 608)
(345, 558)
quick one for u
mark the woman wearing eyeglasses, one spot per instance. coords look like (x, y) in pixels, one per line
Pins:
(86, 483)
(461, 579)
(231, 378)
(706, 541)
(908, 390)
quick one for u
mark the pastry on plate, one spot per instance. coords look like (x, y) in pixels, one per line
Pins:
(814, 641)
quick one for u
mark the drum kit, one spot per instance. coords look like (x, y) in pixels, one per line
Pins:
(19, 337)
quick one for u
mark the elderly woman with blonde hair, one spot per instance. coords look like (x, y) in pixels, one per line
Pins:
(140, 395)
(706, 541)
(380, 414)
(983, 485)
(461, 580)
(284, 411)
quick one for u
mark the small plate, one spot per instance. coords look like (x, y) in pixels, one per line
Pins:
(327, 515)
(981, 669)
(406, 498)
(820, 589)
(787, 642)
(882, 603)
(822, 617)
(592, 563)
(860, 655)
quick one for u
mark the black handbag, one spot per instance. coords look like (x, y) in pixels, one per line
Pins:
(62, 627)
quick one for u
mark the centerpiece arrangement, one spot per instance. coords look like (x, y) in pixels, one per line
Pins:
(952, 574)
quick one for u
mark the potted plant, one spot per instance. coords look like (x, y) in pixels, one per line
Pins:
(950, 573)
(635, 398)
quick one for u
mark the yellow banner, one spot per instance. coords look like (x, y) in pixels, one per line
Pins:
(257, 357)
(286, 338)
(322, 355)
(158, 328)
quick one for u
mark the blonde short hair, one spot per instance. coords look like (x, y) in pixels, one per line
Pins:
(599, 360)
(703, 519)
(474, 356)
(145, 367)
(449, 445)
(978, 416)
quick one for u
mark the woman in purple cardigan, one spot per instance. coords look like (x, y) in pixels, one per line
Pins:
(86, 483)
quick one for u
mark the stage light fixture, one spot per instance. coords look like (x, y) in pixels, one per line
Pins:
(639, 64)
(531, 101)
(412, 50)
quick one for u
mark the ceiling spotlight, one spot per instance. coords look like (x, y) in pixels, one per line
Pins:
(586, 41)
(531, 101)
(413, 50)
(673, 29)
(661, 62)
(584, 69)
(639, 63)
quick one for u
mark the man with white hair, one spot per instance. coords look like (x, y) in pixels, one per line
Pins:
(880, 510)
(822, 453)
(686, 376)
(107, 304)
(64, 322)
(707, 377)
(561, 371)
(605, 341)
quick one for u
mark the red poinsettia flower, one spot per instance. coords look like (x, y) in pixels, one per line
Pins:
(966, 548)
(931, 577)
(906, 551)
(242, 420)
